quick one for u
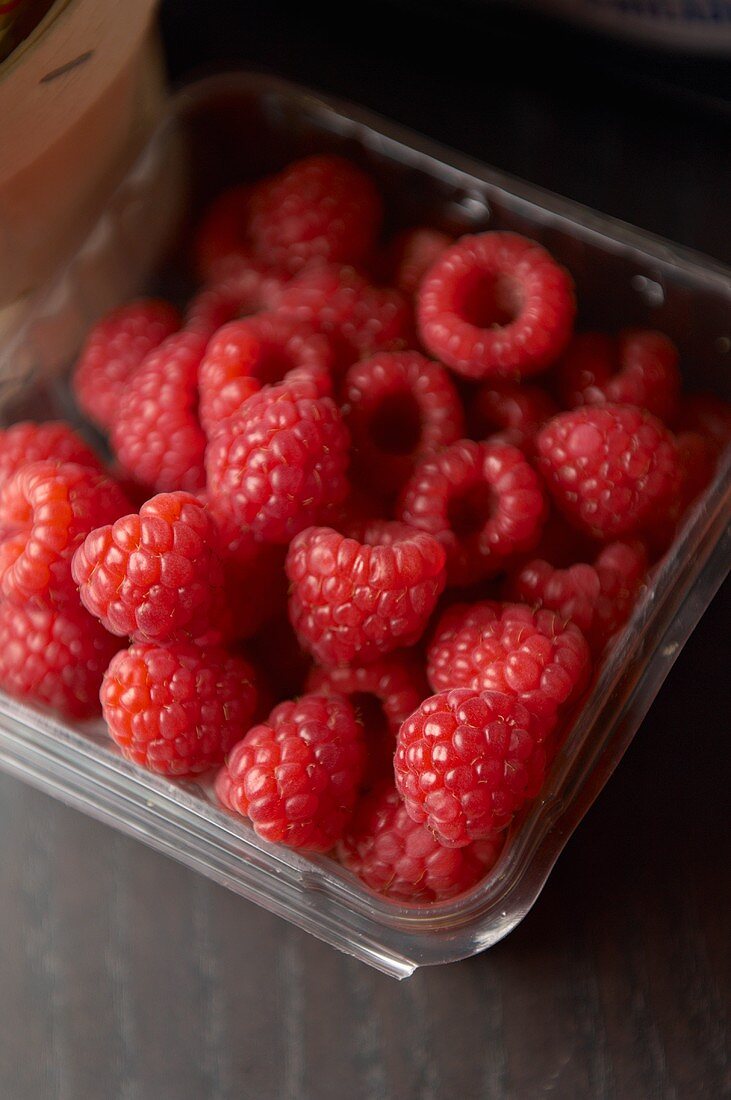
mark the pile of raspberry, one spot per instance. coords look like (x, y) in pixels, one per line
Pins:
(375, 515)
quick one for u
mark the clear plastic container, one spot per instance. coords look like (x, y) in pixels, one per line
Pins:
(227, 129)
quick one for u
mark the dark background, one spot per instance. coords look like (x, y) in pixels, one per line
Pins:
(124, 975)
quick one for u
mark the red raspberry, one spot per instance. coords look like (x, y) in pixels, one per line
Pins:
(638, 367)
(46, 511)
(177, 709)
(697, 458)
(113, 351)
(482, 501)
(496, 304)
(245, 355)
(244, 289)
(357, 599)
(279, 462)
(222, 233)
(383, 694)
(709, 416)
(403, 860)
(509, 413)
(156, 435)
(344, 305)
(411, 254)
(319, 208)
(156, 576)
(467, 761)
(400, 408)
(534, 655)
(597, 598)
(54, 657)
(612, 469)
(52, 440)
(296, 776)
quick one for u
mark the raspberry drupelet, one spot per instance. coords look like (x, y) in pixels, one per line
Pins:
(279, 462)
(297, 775)
(113, 351)
(400, 408)
(637, 367)
(482, 501)
(320, 208)
(155, 576)
(269, 348)
(611, 469)
(49, 441)
(356, 599)
(54, 656)
(402, 859)
(504, 412)
(177, 709)
(535, 655)
(46, 511)
(156, 435)
(496, 305)
(467, 761)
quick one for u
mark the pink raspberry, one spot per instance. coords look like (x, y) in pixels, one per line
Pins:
(534, 655)
(55, 657)
(410, 255)
(177, 709)
(508, 413)
(482, 501)
(638, 367)
(263, 350)
(242, 289)
(320, 208)
(46, 511)
(360, 598)
(113, 351)
(155, 576)
(400, 408)
(496, 304)
(156, 435)
(279, 462)
(223, 232)
(296, 776)
(611, 469)
(49, 441)
(404, 860)
(467, 761)
(597, 598)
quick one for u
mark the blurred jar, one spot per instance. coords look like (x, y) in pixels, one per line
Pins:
(78, 96)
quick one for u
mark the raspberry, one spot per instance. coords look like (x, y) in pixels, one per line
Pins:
(482, 501)
(222, 232)
(345, 306)
(114, 350)
(157, 436)
(383, 694)
(177, 709)
(296, 776)
(156, 576)
(709, 416)
(597, 598)
(399, 408)
(52, 440)
(46, 511)
(466, 762)
(508, 413)
(403, 860)
(244, 289)
(279, 462)
(496, 304)
(612, 469)
(411, 254)
(243, 356)
(534, 655)
(54, 657)
(697, 459)
(357, 599)
(638, 367)
(319, 208)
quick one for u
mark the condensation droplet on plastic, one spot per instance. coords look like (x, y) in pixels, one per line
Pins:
(652, 291)
(670, 650)
(473, 206)
(723, 344)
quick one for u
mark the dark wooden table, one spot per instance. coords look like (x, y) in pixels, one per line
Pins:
(123, 975)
